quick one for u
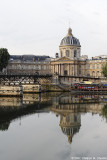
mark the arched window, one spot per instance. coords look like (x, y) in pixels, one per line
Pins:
(93, 73)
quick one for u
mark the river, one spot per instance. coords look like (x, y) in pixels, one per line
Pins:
(53, 126)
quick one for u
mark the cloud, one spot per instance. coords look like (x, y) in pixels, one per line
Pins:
(96, 13)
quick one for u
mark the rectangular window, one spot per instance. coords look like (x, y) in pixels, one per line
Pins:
(88, 66)
(47, 67)
(93, 66)
(75, 53)
(97, 66)
(61, 54)
(67, 53)
(42, 67)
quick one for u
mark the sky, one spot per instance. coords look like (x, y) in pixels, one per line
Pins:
(37, 26)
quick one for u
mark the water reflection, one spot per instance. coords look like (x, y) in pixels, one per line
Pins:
(13, 107)
(66, 122)
(70, 124)
(68, 107)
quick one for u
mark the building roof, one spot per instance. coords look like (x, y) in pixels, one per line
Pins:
(70, 39)
(28, 57)
(99, 57)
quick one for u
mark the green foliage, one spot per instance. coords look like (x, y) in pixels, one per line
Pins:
(104, 70)
(4, 57)
(104, 111)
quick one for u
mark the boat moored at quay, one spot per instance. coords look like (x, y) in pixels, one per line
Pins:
(93, 88)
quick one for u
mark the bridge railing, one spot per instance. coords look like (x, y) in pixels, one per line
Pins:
(24, 74)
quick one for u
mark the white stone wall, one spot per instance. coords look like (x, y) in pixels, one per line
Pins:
(71, 50)
(28, 67)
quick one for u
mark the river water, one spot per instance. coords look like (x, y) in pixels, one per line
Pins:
(53, 126)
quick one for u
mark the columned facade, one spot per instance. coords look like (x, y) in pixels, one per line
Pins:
(67, 67)
(69, 62)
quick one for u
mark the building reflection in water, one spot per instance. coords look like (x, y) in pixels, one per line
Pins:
(16, 107)
(4, 125)
(70, 108)
(70, 124)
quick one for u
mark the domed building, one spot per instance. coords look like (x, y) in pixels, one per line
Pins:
(70, 124)
(70, 116)
(69, 62)
(70, 46)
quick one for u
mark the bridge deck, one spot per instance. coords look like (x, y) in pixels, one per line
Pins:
(25, 75)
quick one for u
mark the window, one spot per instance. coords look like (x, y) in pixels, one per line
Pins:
(79, 71)
(67, 53)
(88, 74)
(93, 73)
(47, 67)
(75, 53)
(75, 118)
(42, 67)
(97, 66)
(36, 67)
(61, 54)
(72, 70)
(93, 66)
(98, 74)
(65, 72)
(88, 67)
(67, 119)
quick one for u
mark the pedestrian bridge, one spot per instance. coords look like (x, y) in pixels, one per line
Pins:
(24, 78)
(8, 79)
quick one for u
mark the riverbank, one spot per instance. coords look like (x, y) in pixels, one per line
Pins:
(19, 90)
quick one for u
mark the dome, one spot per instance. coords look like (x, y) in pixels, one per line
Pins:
(69, 39)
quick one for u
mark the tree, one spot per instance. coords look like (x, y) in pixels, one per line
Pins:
(104, 111)
(104, 70)
(4, 57)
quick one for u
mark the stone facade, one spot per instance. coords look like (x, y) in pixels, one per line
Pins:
(29, 65)
(28, 68)
(71, 63)
(68, 67)
(94, 66)
(68, 62)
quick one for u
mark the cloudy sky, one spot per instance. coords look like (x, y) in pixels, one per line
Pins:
(37, 26)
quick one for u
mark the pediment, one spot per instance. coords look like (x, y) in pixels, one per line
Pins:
(63, 59)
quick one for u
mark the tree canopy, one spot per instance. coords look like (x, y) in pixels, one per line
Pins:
(4, 57)
(104, 111)
(104, 70)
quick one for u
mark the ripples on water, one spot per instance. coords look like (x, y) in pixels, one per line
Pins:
(53, 126)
